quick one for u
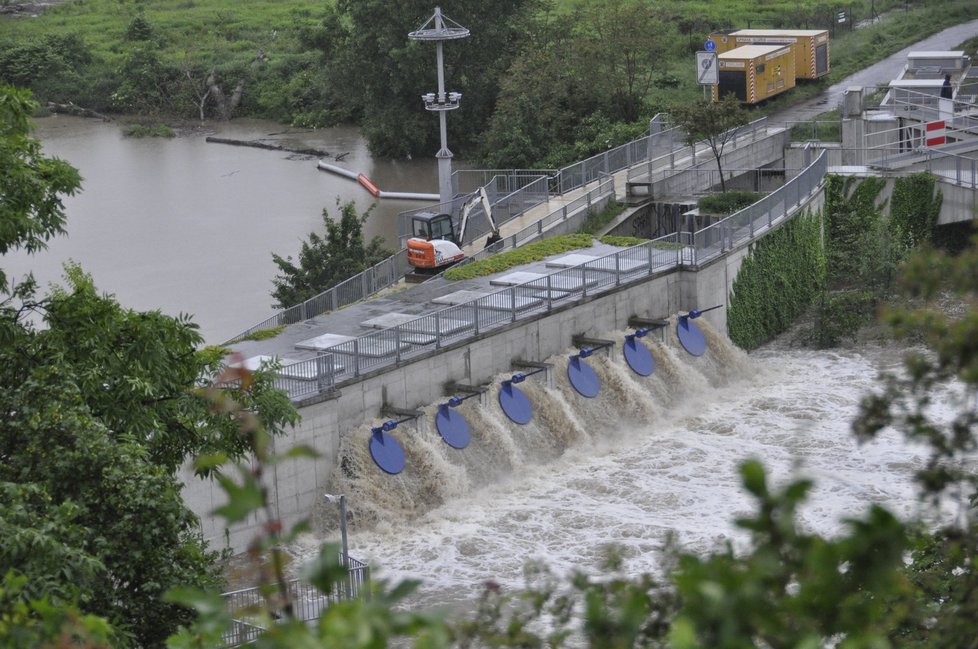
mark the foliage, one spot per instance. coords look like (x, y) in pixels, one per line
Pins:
(915, 207)
(595, 222)
(841, 315)
(851, 209)
(382, 72)
(779, 278)
(31, 185)
(944, 567)
(27, 621)
(100, 411)
(622, 242)
(714, 122)
(527, 254)
(365, 622)
(325, 262)
(727, 202)
(140, 131)
(263, 334)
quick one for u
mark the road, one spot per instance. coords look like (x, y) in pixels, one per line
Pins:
(879, 73)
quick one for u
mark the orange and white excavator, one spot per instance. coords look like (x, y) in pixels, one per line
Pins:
(435, 244)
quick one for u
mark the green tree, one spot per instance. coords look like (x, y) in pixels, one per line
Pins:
(101, 406)
(714, 122)
(325, 262)
(626, 43)
(383, 72)
(31, 184)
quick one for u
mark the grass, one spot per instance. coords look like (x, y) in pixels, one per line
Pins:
(261, 334)
(212, 30)
(527, 254)
(595, 222)
(139, 130)
(621, 242)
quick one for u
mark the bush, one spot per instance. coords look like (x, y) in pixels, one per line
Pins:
(727, 202)
(157, 130)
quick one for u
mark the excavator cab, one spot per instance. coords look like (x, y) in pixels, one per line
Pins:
(428, 226)
(435, 244)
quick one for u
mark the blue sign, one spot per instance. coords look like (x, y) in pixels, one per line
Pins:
(710, 45)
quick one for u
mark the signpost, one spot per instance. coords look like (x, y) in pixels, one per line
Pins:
(707, 70)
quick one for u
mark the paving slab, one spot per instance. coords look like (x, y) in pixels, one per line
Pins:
(515, 279)
(506, 301)
(571, 260)
(324, 341)
(460, 297)
(388, 320)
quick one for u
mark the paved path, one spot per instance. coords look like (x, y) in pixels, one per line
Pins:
(879, 73)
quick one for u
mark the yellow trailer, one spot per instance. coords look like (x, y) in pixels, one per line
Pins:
(755, 72)
(811, 46)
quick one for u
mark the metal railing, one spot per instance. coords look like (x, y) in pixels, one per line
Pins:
(715, 240)
(664, 163)
(378, 277)
(466, 320)
(308, 602)
(594, 198)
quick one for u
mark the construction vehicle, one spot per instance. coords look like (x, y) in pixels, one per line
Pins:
(755, 72)
(436, 243)
(810, 46)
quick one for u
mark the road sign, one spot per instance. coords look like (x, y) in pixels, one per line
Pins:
(707, 72)
(710, 45)
(935, 133)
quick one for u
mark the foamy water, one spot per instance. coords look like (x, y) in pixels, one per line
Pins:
(648, 457)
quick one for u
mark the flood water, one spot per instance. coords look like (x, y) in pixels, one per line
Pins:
(647, 458)
(186, 226)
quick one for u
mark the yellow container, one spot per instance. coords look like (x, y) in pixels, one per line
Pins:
(811, 46)
(755, 72)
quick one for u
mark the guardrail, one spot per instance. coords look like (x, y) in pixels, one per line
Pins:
(473, 318)
(386, 273)
(715, 240)
(307, 601)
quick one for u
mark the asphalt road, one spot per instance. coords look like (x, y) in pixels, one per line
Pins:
(879, 73)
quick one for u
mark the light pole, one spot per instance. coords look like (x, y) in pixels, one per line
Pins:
(341, 499)
(440, 28)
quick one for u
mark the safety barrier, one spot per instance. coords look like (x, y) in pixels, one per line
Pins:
(307, 601)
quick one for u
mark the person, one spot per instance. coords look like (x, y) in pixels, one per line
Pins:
(946, 90)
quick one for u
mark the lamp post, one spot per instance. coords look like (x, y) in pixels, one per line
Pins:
(341, 499)
(440, 28)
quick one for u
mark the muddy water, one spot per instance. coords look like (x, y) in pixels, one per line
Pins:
(187, 226)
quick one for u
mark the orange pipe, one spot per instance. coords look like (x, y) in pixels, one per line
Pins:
(363, 180)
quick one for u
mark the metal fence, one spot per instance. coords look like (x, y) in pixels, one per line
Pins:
(386, 273)
(466, 320)
(663, 163)
(308, 602)
(715, 240)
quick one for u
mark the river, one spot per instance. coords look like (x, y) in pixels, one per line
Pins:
(648, 458)
(186, 226)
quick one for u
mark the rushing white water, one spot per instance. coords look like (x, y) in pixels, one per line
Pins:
(646, 457)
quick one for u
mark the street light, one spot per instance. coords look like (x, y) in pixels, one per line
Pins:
(341, 499)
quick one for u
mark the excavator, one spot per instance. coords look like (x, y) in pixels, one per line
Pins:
(436, 245)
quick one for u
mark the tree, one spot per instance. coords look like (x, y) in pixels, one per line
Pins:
(714, 122)
(325, 262)
(31, 185)
(100, 406)
(625, 43)
(383, 72)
